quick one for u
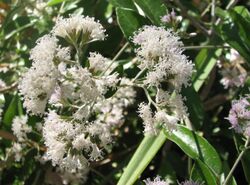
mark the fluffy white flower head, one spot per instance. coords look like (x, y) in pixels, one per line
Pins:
(20, 127)
(156, 181)
(72, 26)
(38, 83)
(160, 51)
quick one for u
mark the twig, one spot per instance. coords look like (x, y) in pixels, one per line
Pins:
(139, 74)
(116, 57)
(213, 16)
(205, 47)
(230, 5)
(193, 20)
(8, 88)
(215, 101)
(236, 162)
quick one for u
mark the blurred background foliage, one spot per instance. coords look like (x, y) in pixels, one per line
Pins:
(208, 28)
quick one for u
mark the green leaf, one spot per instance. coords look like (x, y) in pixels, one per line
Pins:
(142, 157)
(166, 170)
(129, 4)
(55, 2)
(204, 62)
(196, 147)
(195, 107)
(153, 9)
(234, 30)
(202, 174)
(11, 111)
(129, 21)
(243, 11)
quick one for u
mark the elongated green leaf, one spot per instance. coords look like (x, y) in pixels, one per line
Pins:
(129, 21)
(201, 173)
(153, 9)
(124, 4)
(234, 30)
(11, 111)
(243, 11)
(54, 2)
(142, 157)
(195, 107)
(204, 62)
(196, 147)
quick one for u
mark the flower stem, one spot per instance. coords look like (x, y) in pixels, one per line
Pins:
(205, 47)
(236, 162)
(115, 57)
(139, 74)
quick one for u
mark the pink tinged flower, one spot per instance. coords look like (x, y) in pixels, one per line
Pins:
(189, 182)
(168, 18)
(156, 181)
(239, 116)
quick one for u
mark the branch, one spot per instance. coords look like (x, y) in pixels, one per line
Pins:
(8, 88)
(193, 20)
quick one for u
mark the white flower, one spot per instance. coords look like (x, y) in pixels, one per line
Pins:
(156, 42)
(156, 181)
(63, 54)
(178, 107)
(72, 26)
(97, 62)
(17, 150)
(232, 78)
(39, 81)
(87, 91)
(66, 141)
(45, 49)
(111, 111)
(190, 182)
(100, 130)
(20, 127)
(233, 73)
(160, 52)
(162, 97)
(106, 82)
(56, 133)
(167, 121)
(149, 123)
(82, 142)
(72, 163)
(82, 113)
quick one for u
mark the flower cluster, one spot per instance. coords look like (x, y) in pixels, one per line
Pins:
(157, 181)
(239, 115)
(233, 74)
(39, 81)
(72, 97)
(20, 127)
(160, 54)
(77, 25)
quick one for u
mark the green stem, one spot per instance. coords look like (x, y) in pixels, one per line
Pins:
(150, 99)
(236, 162)
(115, 57)
(205, 47)
(139, 74)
